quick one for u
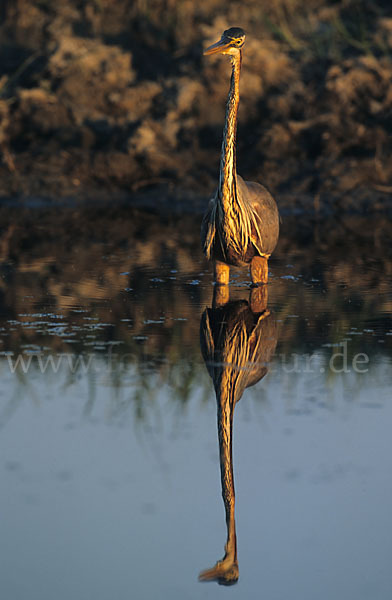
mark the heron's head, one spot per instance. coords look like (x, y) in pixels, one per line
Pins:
(230, 43)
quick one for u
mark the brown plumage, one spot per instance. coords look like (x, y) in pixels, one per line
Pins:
(241, 225)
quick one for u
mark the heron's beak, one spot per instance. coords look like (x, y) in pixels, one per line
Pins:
(220, 46)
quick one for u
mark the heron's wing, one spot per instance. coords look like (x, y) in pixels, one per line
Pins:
(207, 344)
(264, 216)
(208, 228)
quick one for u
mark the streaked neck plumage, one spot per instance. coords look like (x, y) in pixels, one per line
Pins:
(228, 172)
(226, 404)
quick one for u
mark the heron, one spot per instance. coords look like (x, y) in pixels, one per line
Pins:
(237, 341)
(241, 224)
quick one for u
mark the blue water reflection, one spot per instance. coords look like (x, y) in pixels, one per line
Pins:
(108, 436)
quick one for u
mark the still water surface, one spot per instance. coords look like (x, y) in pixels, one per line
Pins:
(115, 354)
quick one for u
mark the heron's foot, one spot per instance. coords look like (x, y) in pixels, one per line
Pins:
(225, 572)
(258, 298)
(221, 273)
(259, 269)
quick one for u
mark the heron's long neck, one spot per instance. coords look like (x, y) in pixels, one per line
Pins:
(228, 173)
(225, 434)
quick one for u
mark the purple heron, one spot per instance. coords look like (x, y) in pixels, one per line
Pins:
(241, 224)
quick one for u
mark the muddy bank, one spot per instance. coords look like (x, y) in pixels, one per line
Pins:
(116, 98)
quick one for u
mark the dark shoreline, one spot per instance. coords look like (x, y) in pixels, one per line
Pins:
(176, 202)
(111, 99)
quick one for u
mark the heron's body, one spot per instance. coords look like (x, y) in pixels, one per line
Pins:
(241, 225)
(263, 232)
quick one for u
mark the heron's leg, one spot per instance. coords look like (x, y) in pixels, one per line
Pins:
(221, 295)
(221, 272)
(259, 298)
(259, 269)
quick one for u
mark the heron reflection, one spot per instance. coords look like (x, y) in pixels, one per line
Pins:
(237, 341)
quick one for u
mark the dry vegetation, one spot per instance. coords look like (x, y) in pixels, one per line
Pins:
(114, 95)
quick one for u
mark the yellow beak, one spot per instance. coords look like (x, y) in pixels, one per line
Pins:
(217, 47)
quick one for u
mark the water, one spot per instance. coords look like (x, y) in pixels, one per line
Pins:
(110, 462)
